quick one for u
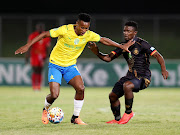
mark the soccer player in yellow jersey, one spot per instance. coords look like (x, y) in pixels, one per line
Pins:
(71, 41)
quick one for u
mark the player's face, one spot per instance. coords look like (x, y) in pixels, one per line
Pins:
(129, 32)
(82, 27)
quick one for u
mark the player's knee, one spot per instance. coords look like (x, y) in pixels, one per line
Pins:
(54, 89)
(55, 95)
(128, 86)
(113, 97)
(80, 89)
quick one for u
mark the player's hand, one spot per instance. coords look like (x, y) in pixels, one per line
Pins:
(165, 74)
(127, 45)
(22, 49)
(93, 47)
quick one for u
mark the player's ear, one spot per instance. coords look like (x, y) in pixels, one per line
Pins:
(135, 32)
(77, 22)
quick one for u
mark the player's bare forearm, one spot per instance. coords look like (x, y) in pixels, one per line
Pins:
(161, 61)
(104, 57)
(93, 47)
(25, 48)
(109, 42)
(39, 37)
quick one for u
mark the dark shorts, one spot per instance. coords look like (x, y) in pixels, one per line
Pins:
(139, 84)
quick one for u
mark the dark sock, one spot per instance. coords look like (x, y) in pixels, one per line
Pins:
(128, 104)
(116, 112)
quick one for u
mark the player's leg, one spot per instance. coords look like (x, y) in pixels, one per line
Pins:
(79, 87)
(37, 77)
(114, 96)
(115, 108)
(128, 88)
(54, 93)
(133, 85)
(33, 78)
(39, 70)
(73, 77)
(54, 78)
(34, 63)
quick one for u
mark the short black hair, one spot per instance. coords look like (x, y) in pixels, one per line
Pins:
(133, 24)
(84, 17)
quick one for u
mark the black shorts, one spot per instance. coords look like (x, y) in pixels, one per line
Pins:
(139, 84)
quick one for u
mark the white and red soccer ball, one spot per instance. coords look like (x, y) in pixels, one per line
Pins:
(55, 115)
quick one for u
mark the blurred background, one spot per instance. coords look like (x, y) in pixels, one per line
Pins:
(158, 24)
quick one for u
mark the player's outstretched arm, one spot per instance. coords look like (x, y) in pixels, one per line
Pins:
(25, 48)
(109, 42)
(161, 61)
(105, 57)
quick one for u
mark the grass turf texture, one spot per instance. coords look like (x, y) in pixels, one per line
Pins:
(157, 112)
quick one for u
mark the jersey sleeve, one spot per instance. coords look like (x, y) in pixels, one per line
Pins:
(148, 48)
(117, 52)
(56, 32)
(94, 37)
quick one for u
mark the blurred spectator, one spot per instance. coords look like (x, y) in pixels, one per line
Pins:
(38, 54)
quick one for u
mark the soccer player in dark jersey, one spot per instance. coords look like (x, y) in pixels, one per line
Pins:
(138, 76)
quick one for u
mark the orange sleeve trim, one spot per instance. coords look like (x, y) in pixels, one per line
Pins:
(153, 52)
(113, 52)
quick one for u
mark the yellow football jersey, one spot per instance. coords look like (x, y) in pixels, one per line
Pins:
(69, 45)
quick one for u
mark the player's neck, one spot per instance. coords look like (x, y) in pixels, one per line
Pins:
(75, 30)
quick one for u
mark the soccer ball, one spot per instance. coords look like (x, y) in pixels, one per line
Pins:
(55, 115)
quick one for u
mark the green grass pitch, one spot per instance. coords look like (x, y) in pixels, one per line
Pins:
(157, 112)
